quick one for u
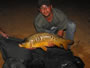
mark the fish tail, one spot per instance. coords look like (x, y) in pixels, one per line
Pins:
(66, 43)
(65, 46)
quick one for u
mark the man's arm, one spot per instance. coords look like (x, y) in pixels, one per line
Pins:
(3, 33)
(60, 33)
(62, 24)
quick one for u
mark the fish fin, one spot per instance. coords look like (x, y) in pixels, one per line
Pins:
(58, 45)
(69, 41)
(66, 43)
(65, 46)
(44, 48)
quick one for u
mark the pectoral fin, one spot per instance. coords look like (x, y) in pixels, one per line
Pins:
(44, 48)
(58, 45)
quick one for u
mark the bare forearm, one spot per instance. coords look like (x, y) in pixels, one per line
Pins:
(3, 34)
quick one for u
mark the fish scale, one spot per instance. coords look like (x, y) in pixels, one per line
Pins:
(42, 40)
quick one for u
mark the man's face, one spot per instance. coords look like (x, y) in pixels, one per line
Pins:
(45, 10)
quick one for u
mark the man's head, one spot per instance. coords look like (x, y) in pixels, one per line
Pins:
(45, 7)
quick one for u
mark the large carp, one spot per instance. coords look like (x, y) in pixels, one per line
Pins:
(42, 40)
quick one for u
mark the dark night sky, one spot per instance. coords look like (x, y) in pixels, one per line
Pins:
(77, 3)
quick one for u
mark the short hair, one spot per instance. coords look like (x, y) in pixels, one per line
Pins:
(44, 2)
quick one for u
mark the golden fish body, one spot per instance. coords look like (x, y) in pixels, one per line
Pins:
(42, 40)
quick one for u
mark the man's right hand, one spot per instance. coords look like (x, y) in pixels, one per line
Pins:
(60, 33)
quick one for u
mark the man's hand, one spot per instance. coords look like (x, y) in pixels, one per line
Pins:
(54, 30)
(4, 34)
(60, 33)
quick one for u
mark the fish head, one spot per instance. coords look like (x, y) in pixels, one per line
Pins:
(25, 45)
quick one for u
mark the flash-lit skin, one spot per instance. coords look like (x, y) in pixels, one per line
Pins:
(3, 34)
(46, 11)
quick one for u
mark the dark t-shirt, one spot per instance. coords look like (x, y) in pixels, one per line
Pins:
(59, 20)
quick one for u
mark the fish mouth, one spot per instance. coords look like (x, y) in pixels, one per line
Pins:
(20, 45)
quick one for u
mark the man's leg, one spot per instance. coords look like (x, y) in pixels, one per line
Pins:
(71, 28)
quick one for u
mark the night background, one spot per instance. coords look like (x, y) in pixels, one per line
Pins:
(17, 17)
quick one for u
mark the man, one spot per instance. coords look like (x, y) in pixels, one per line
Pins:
(54, 21)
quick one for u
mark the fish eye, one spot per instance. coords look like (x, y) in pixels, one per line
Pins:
(52, 37)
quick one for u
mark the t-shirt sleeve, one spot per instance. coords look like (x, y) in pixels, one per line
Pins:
(63, 19)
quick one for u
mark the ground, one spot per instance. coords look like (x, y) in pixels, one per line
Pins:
(17, 21)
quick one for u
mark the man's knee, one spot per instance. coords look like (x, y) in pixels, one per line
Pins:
(71, 26)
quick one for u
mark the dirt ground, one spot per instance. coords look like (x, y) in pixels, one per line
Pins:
(17, 21)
